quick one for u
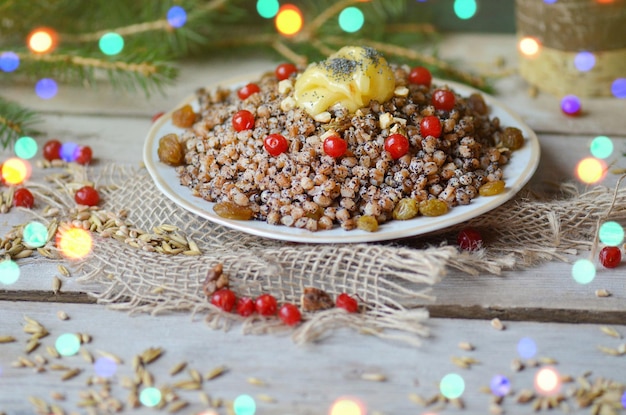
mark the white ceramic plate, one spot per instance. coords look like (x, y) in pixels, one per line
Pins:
(517, 173)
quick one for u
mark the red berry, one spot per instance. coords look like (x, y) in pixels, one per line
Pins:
(87, 195)
(52, 150)
(248, 90)
(420, 76)
(243, 120)
(275, 144)
(245, 306)
(23, 197)
(224, 299)
(469, 239)
(157, 116)
(397, 145)
(443, 100)
(610, 256)
(335, 146)
(266, 305)
(347, 303)
(284, 70)
(82, 155)
(430, 125)
(289, 314)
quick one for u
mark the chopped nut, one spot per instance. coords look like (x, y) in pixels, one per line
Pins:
(285, 86)
(289, 103)
(323, 117)
(401, 91)
(315, 299)
(215, 280)
(385, 120)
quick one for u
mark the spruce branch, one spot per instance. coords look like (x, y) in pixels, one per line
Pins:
(15, 122)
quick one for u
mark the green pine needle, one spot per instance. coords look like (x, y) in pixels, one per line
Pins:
(15, 122)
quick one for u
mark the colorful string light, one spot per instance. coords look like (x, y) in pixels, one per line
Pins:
(176, 17)
(547, 381)
(67, 344)
(46, 88)
(74, 243)
(244, 405)
(9, 272)
(583, 271)
(25, 147)
(584, 61)
(618, 88)
(529, 46)
(452, 386)
(347, 406)
(150, 397)
(9, 61)
(526, 348)
(591, 170)
(351, 19)
(570, 105)
(42, 40)
(68, 151)
(35, 235)
(16, 171)
(267, 9)
(465, 9)
(611, 233)
(105, 367)
(601, 147)
(111, 43)
(500, 385)
(289, 20)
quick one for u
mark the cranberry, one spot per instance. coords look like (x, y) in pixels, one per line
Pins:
(82, 155)
(23, 197)
(420, 76)
(266, 305)
(243, 120)
(52, 150)
(469, 239)
(284, 70)
(443, 100)
(157, 116)
(335, 146)
(397, 145)
(275, 144)
(87, 195)
(224, 299)
(610, 256)
(248, 90)
(347, 303)
(289, 314)
(430, 125)
(245, 306)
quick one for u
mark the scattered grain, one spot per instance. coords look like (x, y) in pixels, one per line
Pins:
(417, 399)
(610, 331)
(62, 315)
(256, 381)
(70, 374)
(467, 346)
(525, 396)
(265, 398)
(151, 354)
(56, 285)
(216, 372)
(497, 324)
(63, 270)
(111, 356)
(7, 339)
(176, 369)
(177, 406)
(603, 293)
(87, 356)
(517, 365)
(189, 384)
(374, 377)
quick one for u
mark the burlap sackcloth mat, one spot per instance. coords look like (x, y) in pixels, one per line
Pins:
(391, 279)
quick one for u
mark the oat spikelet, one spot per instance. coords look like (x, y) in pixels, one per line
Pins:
(610, 331)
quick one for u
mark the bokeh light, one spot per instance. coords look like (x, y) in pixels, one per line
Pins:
(9, 272)
(42, 40)
(570, 105)
(111, 43)
(267, 8)
(9, 61)
(289, 20)
(351, 19)
(618, 88)
(67, 344)
(591, 170)
(500, 385)
(452, 386)
(611, 233)
(547, 381)
(35, 234)
(583, 271)
(25, 147)
(529, 46)
(176, 17)
(68, 151)
(584, 61)
(601, 147)
(526, 348)
(74, 243)
(105, 367)
(347, 406)
(46, 88)
(549, 1)
(244, 405)
(16, 171)
(150, 397)
(624, 400)
(465, 9)
(209, 412)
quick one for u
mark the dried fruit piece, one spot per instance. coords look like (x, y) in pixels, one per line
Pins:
(230, 210)
(477, 104)
(314, 299)
(469, 239)
(512, 138)
(347, 303)
(170, 150)
(225, 299)
(266, 305)
(289, 314)
(245, 306)
(184, 117)
(433, 207)
(367, 223)
(491, 188)
(610, 256)
(406, 208)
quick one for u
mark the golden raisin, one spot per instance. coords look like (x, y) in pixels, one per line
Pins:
(184, 117)
(512, 138)
(367, 223)
(477, 104)
(231, 210)
(406, 208)
(170, 150)
(433, 207)
(491, 188)
(319, 212)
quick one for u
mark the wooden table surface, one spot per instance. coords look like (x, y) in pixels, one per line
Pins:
(566, 320)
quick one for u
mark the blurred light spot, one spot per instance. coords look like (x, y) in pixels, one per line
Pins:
(583, 271)
(624, 400)
(74, 243)
(9, 272)
(68, 151)
(618, 88)
(105, 367)
(42, 40)
(67, 344)
(35, 234)
(611, 233)
(452, 386)
(209, 412)
(15, 171)
(550, 1)
(289, 20)
(591, 170)
(351, 19)
(526, 348)
(176, 16)
(529, 46)
(500, 385)
(25, 147)
(547, 381)
(111, 43)
(601, 147)
(150, 397)
(9, 61)
(570, 105)
(46, 88)
(244, 405)
(465, 9)
(347, 406)
(584, 61)
(267, 8)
